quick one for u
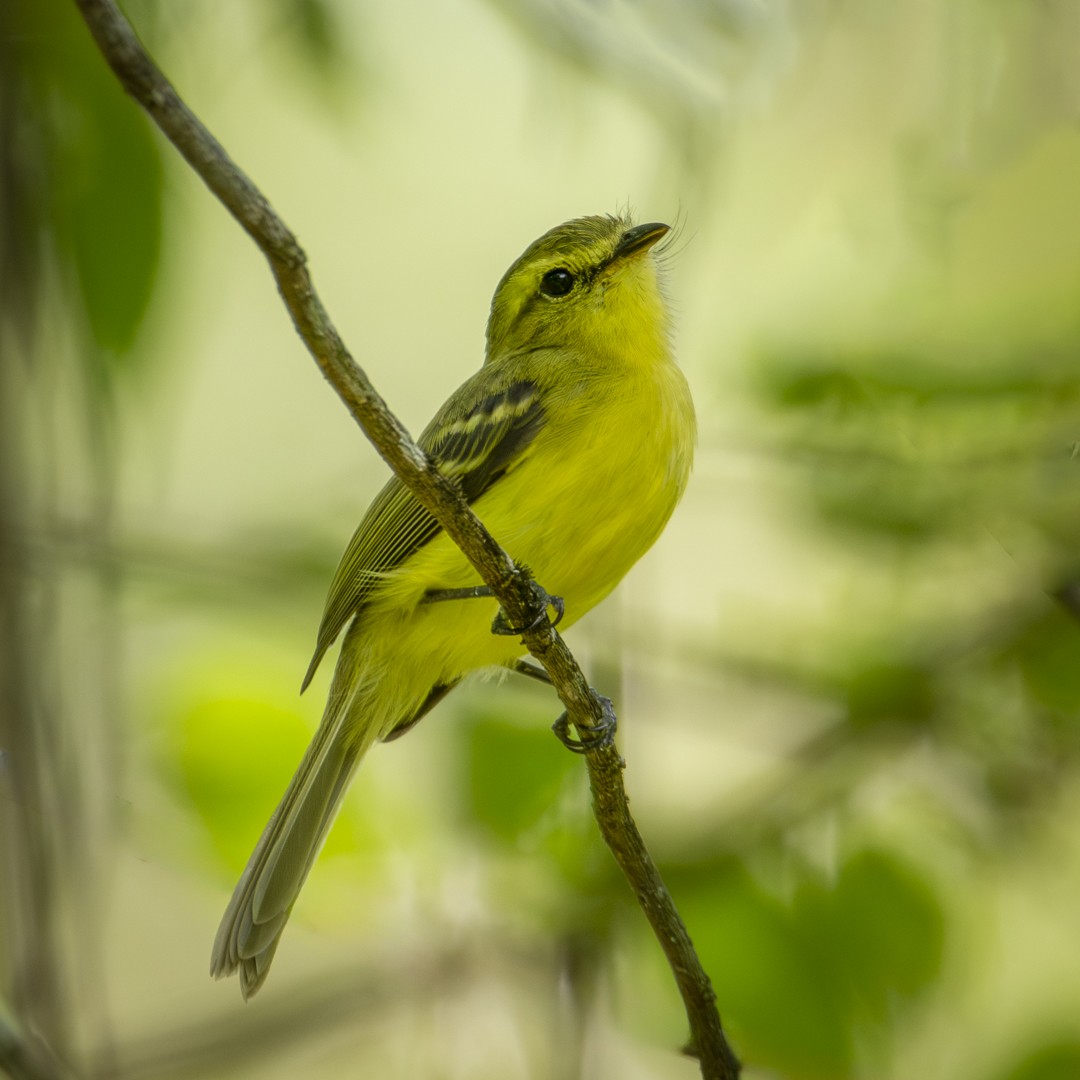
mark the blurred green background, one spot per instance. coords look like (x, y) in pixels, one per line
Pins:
(848, 677)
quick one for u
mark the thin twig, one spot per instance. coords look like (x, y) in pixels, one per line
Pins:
(511, 586)
(226, 1044)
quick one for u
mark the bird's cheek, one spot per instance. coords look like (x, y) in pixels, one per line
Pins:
(601, 294)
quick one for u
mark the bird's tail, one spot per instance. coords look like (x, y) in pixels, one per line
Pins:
(268, 888)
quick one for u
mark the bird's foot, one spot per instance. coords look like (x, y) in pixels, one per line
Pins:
(501, 623)
(593, 736)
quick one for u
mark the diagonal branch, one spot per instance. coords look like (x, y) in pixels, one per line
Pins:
(521, 602)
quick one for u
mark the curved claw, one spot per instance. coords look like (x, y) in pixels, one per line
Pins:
(593, 736)
(501, 625)
(560, 608)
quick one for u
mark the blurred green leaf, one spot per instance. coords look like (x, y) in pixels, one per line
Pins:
(861, 378)
(880, 691)
(799, 980)
(317, 38)
(1049, 658)
(319, 34)
(108, 209)
(781, 1007)
(233, 758)
(1060, 1061)
(913, 447)
(98, 171)
(880, 926)
(513, 774)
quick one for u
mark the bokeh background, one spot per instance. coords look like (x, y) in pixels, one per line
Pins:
(848, 676)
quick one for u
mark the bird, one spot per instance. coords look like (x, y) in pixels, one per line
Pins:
(573, 443)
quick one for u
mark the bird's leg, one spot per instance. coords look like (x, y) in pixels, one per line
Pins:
(532, 671)
(500, 624)
(473, 592)
(593, 736)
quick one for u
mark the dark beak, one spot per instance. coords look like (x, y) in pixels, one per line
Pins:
(639, 238)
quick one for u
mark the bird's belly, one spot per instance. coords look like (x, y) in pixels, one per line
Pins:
(577, 530)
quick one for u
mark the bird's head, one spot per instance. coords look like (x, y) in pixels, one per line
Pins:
(589, 284)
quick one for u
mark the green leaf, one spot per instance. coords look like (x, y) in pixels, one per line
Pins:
(782, 1006)
(879, 691)
(233, 758)
(513, 774)
(799, 980)
(883, 927)
(1049, 656)
(89, 175)
(109, 217)
(319, 34)
(1057, 1061)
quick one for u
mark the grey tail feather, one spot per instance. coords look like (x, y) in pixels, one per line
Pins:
(271, 881)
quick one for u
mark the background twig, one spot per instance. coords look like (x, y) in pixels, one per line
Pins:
(142, 79)
(24, 1057)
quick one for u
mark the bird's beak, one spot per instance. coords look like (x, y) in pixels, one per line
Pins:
(638, 239)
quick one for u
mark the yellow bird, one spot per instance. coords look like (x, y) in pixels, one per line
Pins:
(573, 443)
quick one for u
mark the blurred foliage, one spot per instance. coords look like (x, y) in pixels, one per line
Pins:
(508, 803)
(231, 801)
(688, 65)
(915, 460)
(1056, 1061)
(924, 455)
(319, 36)
(84, 174)
(82, 170)
(804, 977)
(919, 448)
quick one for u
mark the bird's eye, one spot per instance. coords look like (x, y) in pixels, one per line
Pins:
(557, 282)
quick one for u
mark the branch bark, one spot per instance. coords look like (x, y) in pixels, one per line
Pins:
(512, 587)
